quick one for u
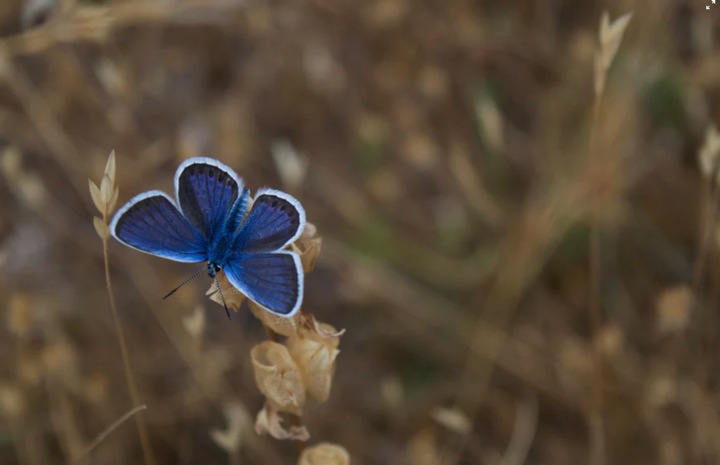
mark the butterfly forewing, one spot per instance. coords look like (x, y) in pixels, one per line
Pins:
(275, 220)
(206, 190)
(273, 280)
(152, 223)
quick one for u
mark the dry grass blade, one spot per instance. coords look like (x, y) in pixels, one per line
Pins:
(526, 419)
(101, 437)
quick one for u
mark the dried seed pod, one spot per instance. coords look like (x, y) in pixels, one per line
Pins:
(314, 349)
(238, 422)
(269, 421)
(278, 377)
(709, 153)
(325, 454)
(233, 297)
(279, 324)
(308, 247)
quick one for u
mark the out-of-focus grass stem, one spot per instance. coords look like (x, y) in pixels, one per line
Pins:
(142, 430)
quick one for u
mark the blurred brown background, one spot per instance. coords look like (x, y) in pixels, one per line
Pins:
(441, 148)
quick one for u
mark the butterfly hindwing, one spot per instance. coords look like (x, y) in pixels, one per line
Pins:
(206, 191)
(152, 223)
(272, 280)
(275, 220)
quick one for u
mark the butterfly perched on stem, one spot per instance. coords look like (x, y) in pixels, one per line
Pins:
(209, 222)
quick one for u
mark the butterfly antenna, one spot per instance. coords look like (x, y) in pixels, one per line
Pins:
(217, 283)
(185, 282)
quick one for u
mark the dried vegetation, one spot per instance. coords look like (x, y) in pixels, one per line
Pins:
(514, 212)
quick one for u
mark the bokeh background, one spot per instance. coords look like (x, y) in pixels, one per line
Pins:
(457, 166)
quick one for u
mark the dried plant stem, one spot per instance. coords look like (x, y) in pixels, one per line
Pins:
(711, 199)
(142, 431)
(296, 421)
(101, 437)
(596, 422)
(271, 334)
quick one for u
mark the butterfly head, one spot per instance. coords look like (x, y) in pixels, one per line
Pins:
(213, 268)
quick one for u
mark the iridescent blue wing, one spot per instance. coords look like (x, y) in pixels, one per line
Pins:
(151, 223)
(275, 220)
(273, 280)
(206, 191)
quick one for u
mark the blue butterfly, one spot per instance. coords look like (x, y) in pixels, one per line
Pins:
(209, 224)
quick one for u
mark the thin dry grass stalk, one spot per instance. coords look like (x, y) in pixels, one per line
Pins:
(105, 198)
(708, 158)
(101, 437)
(610, 36)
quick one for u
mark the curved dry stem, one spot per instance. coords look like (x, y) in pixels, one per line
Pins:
(596, 422)
(142, 431)
(101, 437)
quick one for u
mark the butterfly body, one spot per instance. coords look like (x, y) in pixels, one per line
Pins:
(209, 222)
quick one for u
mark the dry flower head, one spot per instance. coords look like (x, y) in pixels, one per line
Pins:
(105, 197)
(278, 377)
(314, 349)
(611, 34)
(709, 154)
(308, 247)
(325, 454)
(238, 423)
(270, 422)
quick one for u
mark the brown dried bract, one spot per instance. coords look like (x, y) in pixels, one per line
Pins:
(325, 454)
(278, 377)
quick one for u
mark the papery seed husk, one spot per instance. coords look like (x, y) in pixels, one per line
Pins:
(110, 167)
(316, 361)
(278, 377)
(269, 421)
(283, 325)
(325, 454)
(96, 196)
(101, 228)
(113, 201)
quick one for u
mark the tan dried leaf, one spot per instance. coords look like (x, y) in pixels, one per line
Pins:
(233, 297)
(269, 421)
(278, 377)
(101, 228)
(96, 196)
(709, 153)
(238, 423)
(452, 419)
(195, 323)
(279, 324)
(308, 247)
(323, 330)
(291, 165)
(315, 353)
(325, 454)
(673, 308)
